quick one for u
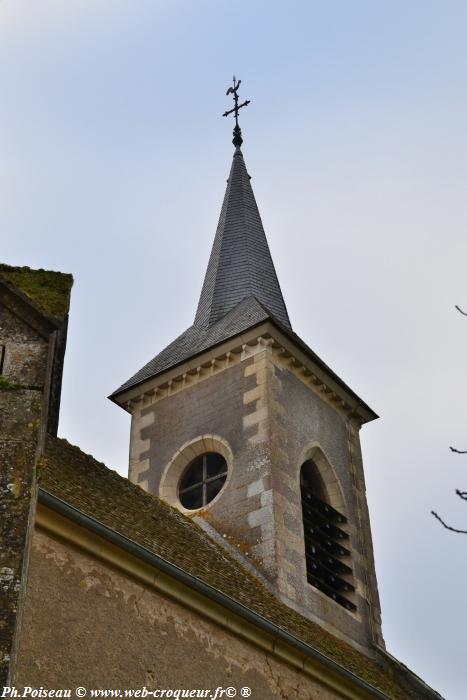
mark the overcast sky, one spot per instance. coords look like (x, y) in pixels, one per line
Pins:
(113, 162)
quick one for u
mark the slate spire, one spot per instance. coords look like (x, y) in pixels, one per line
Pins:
(240, 288)
(240, 264)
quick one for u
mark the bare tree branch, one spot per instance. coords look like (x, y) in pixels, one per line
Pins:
(448, 527)
(461, 494)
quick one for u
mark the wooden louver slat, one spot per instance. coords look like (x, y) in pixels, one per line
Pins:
(323, 549)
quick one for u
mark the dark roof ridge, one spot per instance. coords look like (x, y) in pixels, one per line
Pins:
(265, 309)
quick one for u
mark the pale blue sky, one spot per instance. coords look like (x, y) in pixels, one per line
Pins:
(113, 161)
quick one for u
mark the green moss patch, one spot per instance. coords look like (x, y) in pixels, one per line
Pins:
(49, 291)
(6, 385)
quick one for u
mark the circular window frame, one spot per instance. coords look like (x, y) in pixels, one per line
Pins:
(203, 480)
(174, 470)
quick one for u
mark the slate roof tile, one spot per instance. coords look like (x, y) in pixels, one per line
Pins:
(196, 338)
(240, 264)
(240, 268)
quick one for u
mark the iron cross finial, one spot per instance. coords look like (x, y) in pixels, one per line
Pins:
(237, 132)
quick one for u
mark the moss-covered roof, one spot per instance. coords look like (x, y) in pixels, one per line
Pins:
(48, 290)
(69, 474)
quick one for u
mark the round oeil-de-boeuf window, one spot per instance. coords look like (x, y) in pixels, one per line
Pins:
(202, 480)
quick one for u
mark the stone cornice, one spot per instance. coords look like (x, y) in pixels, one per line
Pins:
(284, 353)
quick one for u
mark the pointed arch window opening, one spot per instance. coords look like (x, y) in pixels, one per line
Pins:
(327, 557)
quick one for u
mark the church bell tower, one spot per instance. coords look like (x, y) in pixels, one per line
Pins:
(239, 424)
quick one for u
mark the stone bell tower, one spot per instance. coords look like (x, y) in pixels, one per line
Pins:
(240, 423)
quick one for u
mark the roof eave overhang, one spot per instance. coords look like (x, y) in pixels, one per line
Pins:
(121, 397)
(302, 356)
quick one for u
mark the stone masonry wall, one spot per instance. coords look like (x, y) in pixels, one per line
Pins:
(363, 534)
(112, 632)
(230, 405)
(271, 421)
(24, 359)
(302, 425)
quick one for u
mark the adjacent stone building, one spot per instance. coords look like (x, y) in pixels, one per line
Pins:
(33, 325)
(238, 553)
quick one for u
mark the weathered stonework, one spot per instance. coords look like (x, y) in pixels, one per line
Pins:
(30, 376)
(272, 412)
(305, 426)
(21, 419)
(139, 637)
(172, 474)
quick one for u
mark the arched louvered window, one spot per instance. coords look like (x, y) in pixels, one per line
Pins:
(327, 557)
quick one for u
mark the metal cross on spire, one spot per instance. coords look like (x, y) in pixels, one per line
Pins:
(237, 132)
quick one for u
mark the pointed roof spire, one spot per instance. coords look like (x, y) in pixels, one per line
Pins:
(240, 289)
(240, 264)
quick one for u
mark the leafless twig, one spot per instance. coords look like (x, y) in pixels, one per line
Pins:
(461, 494)
(448, 527)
